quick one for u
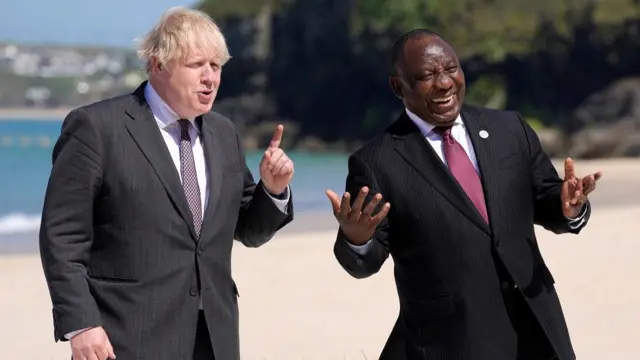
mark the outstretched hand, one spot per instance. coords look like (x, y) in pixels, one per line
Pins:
(575, 190)
(276, 169)
(357, 225)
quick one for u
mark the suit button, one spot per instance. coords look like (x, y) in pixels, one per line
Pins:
(193, 292)
(497, 243)
(199, 251)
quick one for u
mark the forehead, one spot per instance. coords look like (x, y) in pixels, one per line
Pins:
(428, 51)
(195, 51)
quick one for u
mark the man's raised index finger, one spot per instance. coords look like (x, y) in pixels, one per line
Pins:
(277, 137)
(568, 169)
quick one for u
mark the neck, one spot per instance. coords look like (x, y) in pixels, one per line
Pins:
(159, 90)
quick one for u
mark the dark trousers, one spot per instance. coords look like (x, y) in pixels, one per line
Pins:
(202, 349)
(533, 343)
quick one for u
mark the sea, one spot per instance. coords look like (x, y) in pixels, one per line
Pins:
(25, 164)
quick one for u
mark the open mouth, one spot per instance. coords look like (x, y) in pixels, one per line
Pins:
(445, 100)
(206, 92)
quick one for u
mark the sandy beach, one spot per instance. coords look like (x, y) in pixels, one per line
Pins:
(297, 303)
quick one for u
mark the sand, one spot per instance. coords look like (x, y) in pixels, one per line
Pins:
(297, 303)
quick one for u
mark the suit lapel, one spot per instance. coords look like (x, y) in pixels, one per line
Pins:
(144, 130)
(414, 148)
(487, 154)
(212, 152)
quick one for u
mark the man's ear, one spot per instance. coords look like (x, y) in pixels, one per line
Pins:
(156, 65)
(396, 86)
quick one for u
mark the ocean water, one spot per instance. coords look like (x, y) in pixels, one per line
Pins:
(25, 164)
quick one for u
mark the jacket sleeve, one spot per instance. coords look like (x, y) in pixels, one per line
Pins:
(66, 230)
(261, 215)
(366, 260)
(547, 187)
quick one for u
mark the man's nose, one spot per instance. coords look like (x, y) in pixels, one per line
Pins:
(207, 74)
(444, 81)
(206, 80)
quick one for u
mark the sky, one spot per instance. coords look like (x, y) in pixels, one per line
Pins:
(80, 22)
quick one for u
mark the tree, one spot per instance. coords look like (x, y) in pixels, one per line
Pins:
(488, 28)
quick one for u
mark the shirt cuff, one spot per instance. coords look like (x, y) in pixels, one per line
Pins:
(74, 333)
(360, 249)
(281, 201)
(575, 223)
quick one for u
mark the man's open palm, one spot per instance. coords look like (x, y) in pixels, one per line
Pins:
(575, 190)
(356, 223)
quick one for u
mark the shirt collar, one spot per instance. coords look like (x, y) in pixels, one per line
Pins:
(425, 127)
(163, 113)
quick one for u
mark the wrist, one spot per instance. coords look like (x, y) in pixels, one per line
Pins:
(356, 241)
(72, 335)
(277, 193)
(574, 212)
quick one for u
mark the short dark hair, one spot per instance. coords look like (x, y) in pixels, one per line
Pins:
(397, 51)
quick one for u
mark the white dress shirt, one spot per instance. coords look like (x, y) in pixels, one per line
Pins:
(167, 120)
(459, 132)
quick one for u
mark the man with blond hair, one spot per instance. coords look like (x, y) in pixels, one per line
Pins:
(146, 194)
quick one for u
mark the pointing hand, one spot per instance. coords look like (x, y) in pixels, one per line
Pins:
(276, 169)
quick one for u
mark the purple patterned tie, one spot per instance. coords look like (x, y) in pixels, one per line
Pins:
(189, 175)
(462, 169)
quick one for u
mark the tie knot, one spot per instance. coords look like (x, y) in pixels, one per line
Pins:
(184, 129)
(444, 131)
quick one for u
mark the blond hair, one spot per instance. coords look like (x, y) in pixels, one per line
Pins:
(180, 30)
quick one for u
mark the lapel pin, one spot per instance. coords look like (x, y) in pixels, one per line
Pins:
(483, 134)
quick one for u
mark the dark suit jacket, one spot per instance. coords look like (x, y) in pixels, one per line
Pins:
(117, 241)
(448, 283)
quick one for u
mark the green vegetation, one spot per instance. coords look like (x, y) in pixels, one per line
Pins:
(324, 64)
(327, 62)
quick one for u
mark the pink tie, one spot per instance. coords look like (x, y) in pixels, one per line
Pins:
(462, 169)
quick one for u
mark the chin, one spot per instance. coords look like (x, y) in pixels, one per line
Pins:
(446, 117)
(204, 108)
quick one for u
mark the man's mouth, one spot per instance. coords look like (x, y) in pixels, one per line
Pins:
(444, 100)
(206, 92)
